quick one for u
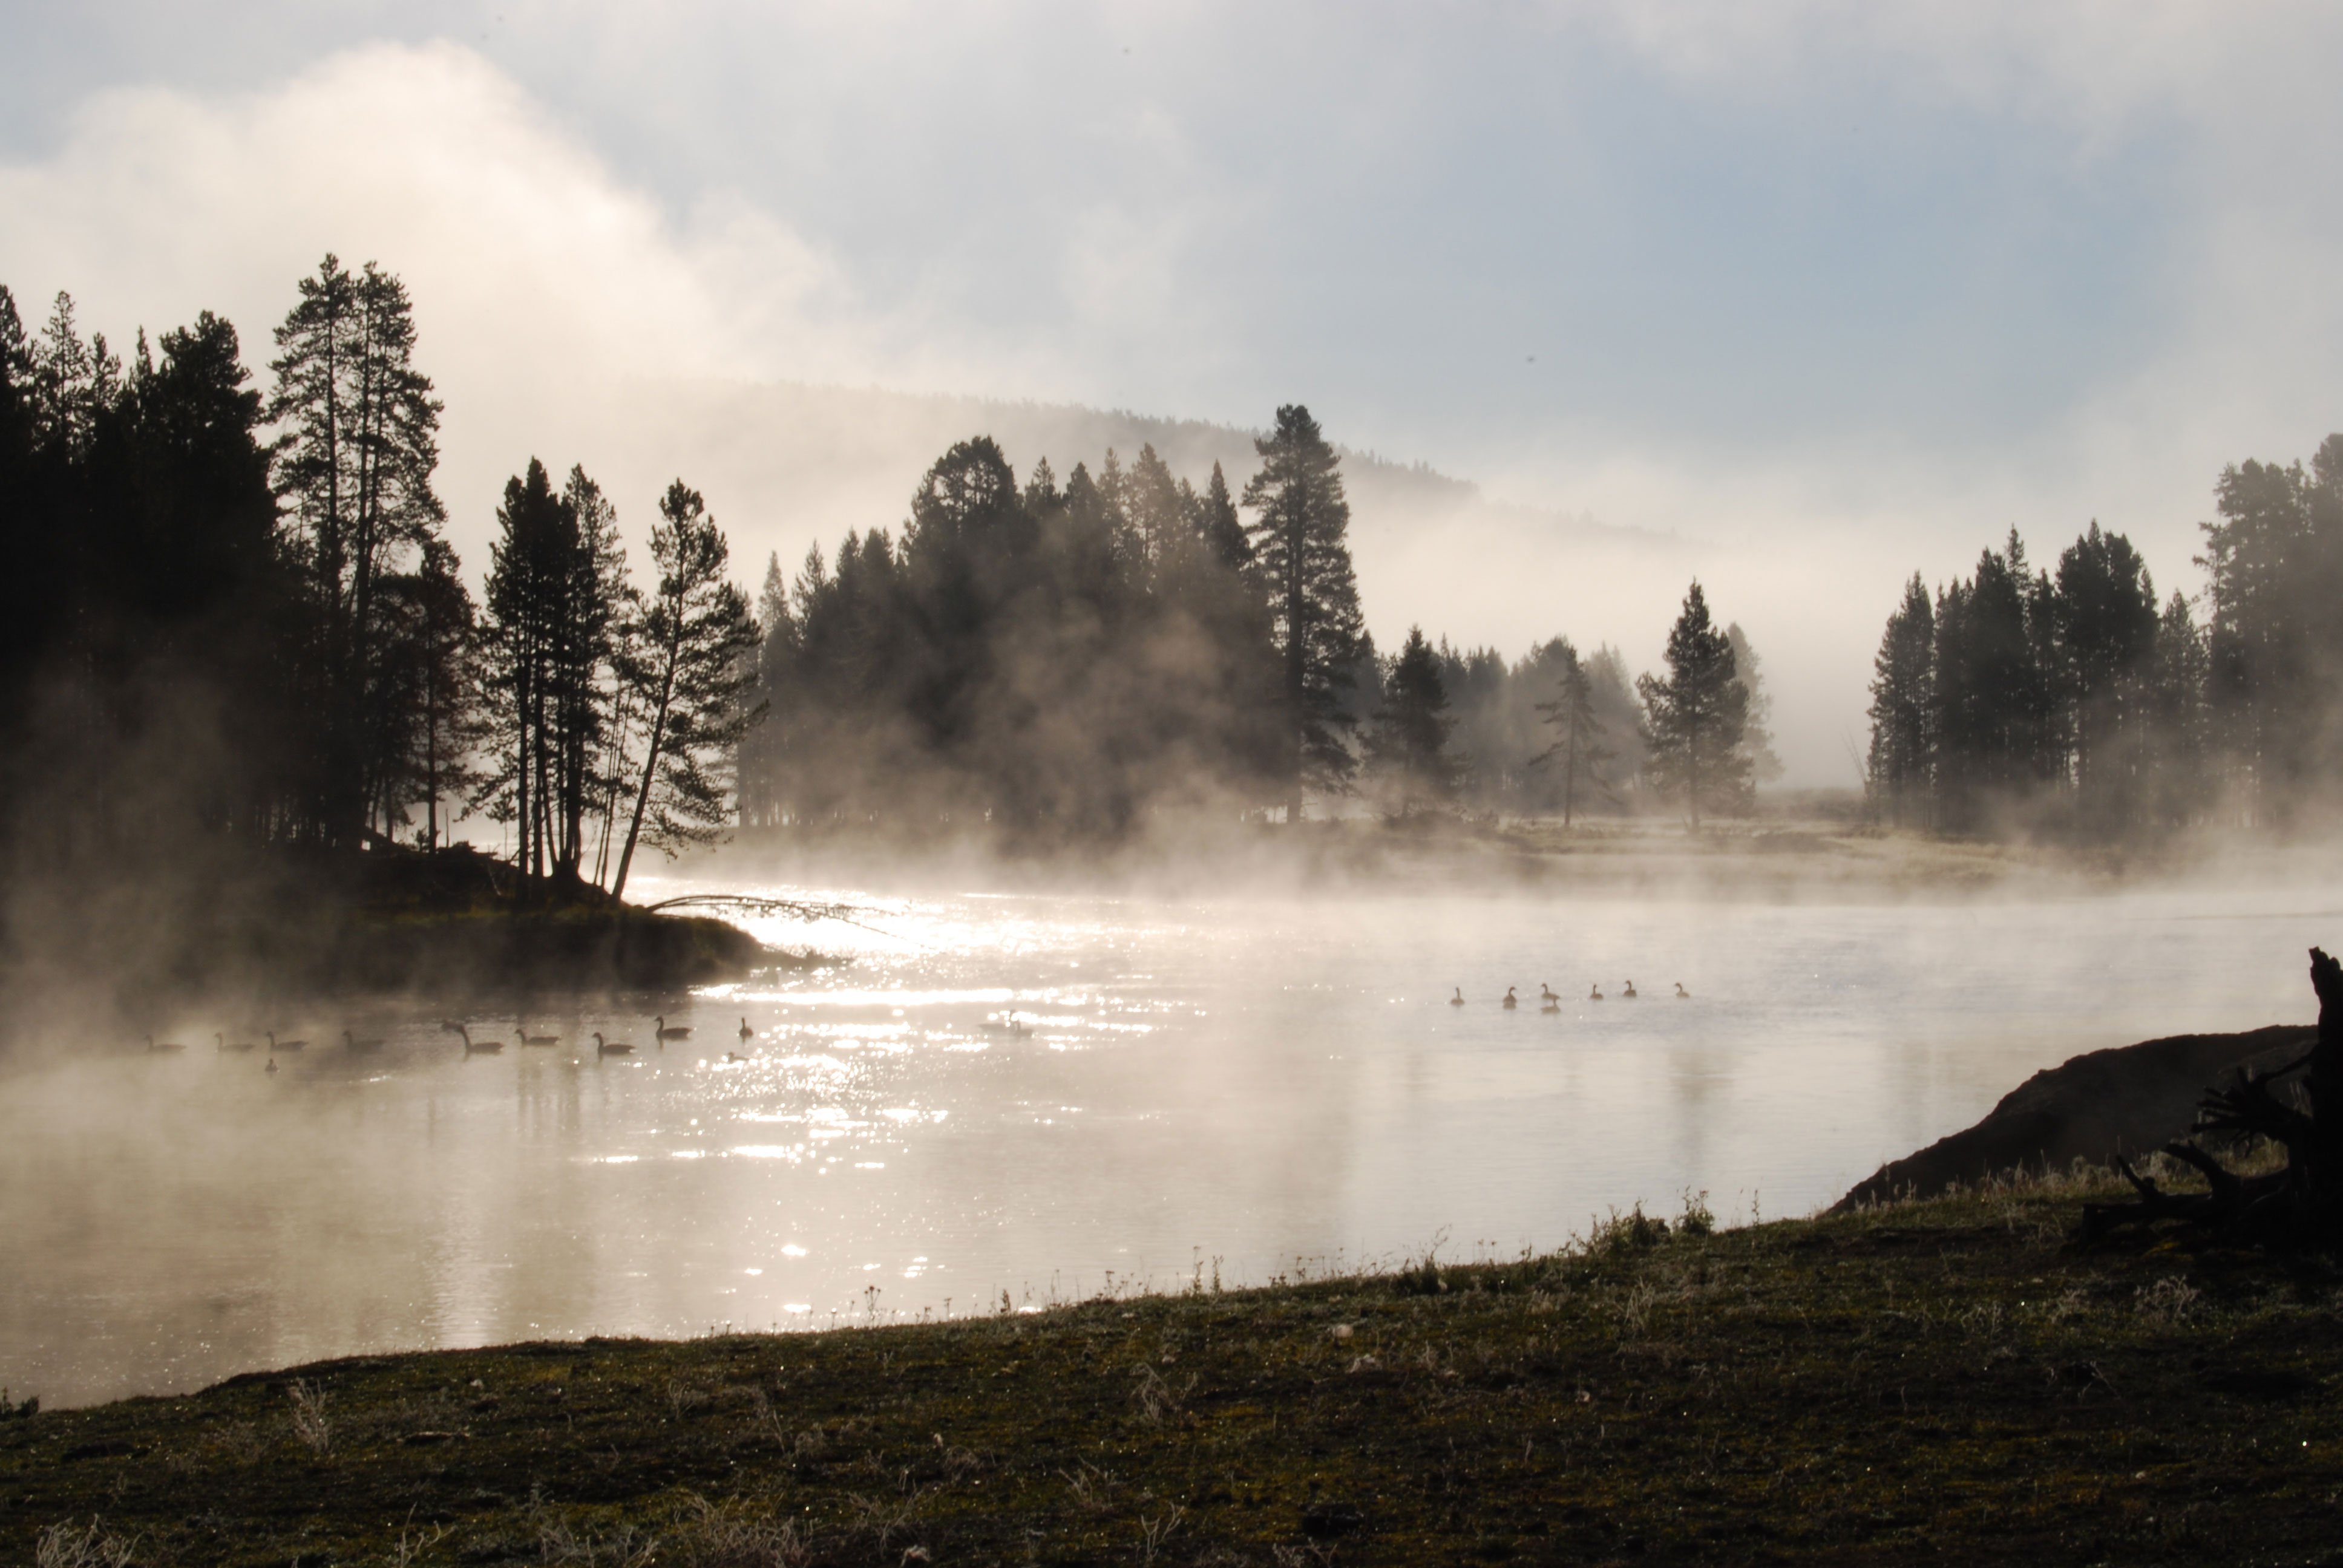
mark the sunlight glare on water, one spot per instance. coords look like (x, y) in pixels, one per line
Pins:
(1049, 1096)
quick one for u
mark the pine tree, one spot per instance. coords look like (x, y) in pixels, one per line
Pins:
(433, 672)
(1994, 726)
(1695, 719)
(764, 751)
(1898, 771)
(1578, 751)
(1299, 546)
(2178, 674)
(1407, 743)
(592, 598)
(530, 568)
(2103, 617)
(1765, 767)
(1220, 526)
(691, 680)
(358, 447)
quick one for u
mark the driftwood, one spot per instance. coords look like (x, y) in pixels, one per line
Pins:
(2299, 1204)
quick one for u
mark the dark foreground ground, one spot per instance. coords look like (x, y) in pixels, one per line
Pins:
(1947, 1381)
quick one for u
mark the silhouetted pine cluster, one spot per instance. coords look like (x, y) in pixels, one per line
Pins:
(2067, 699)
(235, 618)
(1558, 733)
(1055, 661)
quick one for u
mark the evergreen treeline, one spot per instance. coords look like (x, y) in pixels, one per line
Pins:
(233, 618)
(2069, 699)
(1054, 661)
(236, 620)
(1558, 735)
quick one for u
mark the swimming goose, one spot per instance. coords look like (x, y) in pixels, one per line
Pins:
(611, 1047)
(1458, 1000)
(166, 1045)
(351, 1043)
(275, 1044)
(1629, 994)
(1545, 993)
(1552, 1003)
(1682, 994)
(1595, 992)
(226, 1044)
(747, 1034)
(528, 1038)
(734, 1056)
(1510, 1002)
(271, 1067)
(681, 1031)
(474, 1047)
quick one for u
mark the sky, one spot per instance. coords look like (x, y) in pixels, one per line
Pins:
(1822, 293)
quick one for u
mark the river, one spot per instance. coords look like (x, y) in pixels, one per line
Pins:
(1228, 1088)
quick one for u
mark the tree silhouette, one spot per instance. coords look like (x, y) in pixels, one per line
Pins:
(2103, 616)
(359, 443)
(690, 670)
(1758, 739)
(1696, 719)
(1407, 743)
(1578, 751)
(1299, 536)
(1899, 771)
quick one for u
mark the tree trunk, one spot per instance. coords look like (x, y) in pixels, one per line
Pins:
(658, 737)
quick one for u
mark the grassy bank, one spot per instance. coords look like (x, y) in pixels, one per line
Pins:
(1940, 1380)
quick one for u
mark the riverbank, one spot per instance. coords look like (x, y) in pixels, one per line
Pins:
(254, 933)
(1912, 1380)
(1811, 847)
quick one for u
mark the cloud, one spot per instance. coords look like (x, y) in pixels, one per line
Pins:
(540, 280)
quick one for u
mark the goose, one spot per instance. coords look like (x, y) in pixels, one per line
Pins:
(528, 1038)
(733, 1055)
(166, 1045)
(1545, 993)
(1552, 1003)
(474, 1047)
(611, 1047)
(226, 1044)
(1682, 994)
(1510, 1002)
(747, 1034)
(1629, 994)
(271, 1067)
(681, 1031)
(1595, 992)
(275, 1044)
(1458, 1000)
(352, 1043)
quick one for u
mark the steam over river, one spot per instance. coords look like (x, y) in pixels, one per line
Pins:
(1254, 1086)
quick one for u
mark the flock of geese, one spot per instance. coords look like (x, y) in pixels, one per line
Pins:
(1549, 1001)
(661, 1031)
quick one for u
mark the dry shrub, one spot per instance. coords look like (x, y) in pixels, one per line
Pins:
(90, 1545)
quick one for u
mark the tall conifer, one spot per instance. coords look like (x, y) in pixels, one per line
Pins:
(1300, 547)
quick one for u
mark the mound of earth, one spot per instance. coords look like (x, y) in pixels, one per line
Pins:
(2128, 1101)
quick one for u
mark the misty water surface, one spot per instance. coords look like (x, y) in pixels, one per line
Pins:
(1252, 1086)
